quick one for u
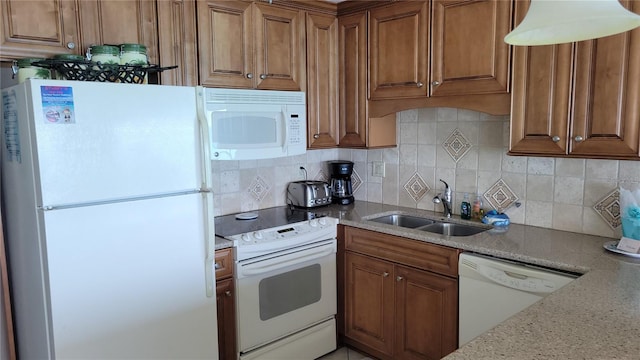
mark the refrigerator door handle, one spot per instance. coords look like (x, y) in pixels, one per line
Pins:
(210, 243)
(210, 275)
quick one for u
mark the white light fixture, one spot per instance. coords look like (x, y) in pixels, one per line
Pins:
(562, 21)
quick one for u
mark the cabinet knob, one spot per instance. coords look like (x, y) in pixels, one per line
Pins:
(435, 83)
(228, 293)
(420, 84)
(316, 136)
(249, 76)
(555, 138)
(71, 45)
(399, 278)
(385, 274)
(263, 76)
(578, 138)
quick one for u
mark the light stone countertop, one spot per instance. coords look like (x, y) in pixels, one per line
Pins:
(597, 316)
(222, 243)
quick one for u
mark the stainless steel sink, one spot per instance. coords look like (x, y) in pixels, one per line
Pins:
(407, 221)
(429, 225)
(452, 229)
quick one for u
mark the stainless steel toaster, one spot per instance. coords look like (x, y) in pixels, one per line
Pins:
(308, 194)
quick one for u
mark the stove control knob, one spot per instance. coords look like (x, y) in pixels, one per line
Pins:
(257, 235)
(246, 237)
(313, 222)
(322, 221)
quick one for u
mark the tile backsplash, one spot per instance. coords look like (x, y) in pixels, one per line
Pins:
(465, 148)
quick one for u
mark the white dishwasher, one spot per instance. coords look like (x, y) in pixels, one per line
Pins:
(492, 290)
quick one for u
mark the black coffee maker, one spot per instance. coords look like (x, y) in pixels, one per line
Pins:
(341, 191)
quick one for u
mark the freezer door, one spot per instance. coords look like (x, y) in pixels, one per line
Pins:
(127, 280)
(115, 141)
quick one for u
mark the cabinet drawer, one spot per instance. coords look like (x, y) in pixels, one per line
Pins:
(436, 258)
(224, 263)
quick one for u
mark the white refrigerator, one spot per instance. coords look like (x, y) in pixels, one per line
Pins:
(109, 221)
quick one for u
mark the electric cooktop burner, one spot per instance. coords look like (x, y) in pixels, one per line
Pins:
(228, 225)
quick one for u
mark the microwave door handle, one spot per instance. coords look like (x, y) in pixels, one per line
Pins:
(285, 149)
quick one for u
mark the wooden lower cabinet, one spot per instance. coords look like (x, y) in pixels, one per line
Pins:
(225, 302)
(226, 305)
(395, 311)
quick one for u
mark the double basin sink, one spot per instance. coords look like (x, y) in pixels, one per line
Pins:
(430, 225)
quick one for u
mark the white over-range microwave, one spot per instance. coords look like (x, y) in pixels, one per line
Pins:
(254, 124)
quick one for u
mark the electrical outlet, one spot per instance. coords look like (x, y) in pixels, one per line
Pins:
(378, 168)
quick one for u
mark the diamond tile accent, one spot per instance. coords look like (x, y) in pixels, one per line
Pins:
(356, 181)
(258, 188)
(456, 145)
(500, 196)
(416, 187)
(321, 176)
(609, 209)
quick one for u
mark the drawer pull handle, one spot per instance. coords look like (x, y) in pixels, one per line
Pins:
(228, 293)
(385, 274)
(399, 278)
(217, 266)
(555, 138)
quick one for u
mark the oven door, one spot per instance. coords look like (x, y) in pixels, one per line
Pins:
(281, 293)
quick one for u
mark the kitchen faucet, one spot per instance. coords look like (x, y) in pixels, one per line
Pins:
(444, 198)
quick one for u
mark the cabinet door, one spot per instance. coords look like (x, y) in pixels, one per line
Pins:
(369, 304)
(225, 302)
(426, 314)
(40, 28)
(606, 116)
(322, 84)
(353, 80)
(177, 42)
(118, 22)
(469, 55)
(399, 50)
(540, 96)
(225, 43)
(279, 48)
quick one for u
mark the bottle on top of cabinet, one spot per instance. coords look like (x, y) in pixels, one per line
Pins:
(476, 209)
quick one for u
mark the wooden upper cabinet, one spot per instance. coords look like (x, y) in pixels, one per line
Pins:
(399, 50)
(177, 42)
(46, 28)
(606, 114)
(247, 45)
(279, 48)
(541, 99)
(322, 84)
(541, 96)
(38, 28)
(119, 22)
(352, 40)
(577, 100)
(225, 43)
(468, 54)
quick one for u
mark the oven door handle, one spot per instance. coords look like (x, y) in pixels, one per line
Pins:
(285, 261)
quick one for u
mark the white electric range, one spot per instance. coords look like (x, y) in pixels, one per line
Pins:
(285, 277)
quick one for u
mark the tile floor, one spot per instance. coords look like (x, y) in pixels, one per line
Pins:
(345, 353)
